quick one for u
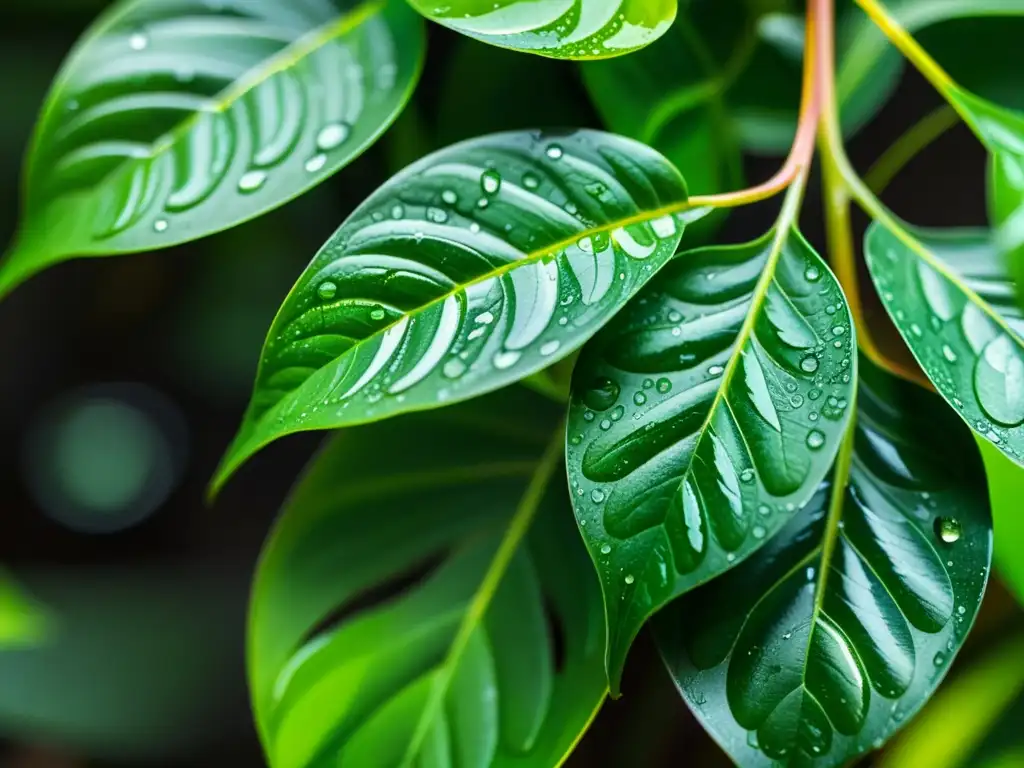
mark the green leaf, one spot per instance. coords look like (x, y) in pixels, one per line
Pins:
(173, 119)
(473, 268)
(961, 727)
(455, 570)
(954, 304)
(1006, 489)
(22, 622)
(968, 51)
(560, 29)
(820, 646)
(702, 417)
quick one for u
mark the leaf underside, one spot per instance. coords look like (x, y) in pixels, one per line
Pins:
(175, 119)
(473, 268)
(955, 305)
(788, 665)
(380, 632)
(694, 433)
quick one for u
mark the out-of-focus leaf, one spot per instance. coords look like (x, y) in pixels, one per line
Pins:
(174, 119)
(960, 727)
(954, 304)
(818, 647)
(562, 29)
(702, 417)
(470, 629)
(22, 621)
(471, 269)
(1006, 489)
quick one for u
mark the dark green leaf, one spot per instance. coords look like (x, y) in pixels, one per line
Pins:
(702, 417)
(821, 645)
(453, 566)
(561, 29)
(474, 268)
(175, 119)
(954, 304)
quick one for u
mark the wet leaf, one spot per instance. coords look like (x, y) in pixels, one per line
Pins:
(174, 119)
(472, 269)
(705, 414)
(820, 646)
(955, 306)
(433, 609)
(562, 29)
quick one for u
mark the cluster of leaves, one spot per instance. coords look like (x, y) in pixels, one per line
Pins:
(817, 531)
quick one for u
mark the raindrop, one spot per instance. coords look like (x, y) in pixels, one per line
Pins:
(397, 211)
(815, 439)
(648, 383)
(332, 136)
(939, 660)
(490, 182)
(377, 314)
(606, 424)
(160, 225)
(453, 368)
(597, 495)
(316, 163)
(809, 364)
(916, 330)
(664, 385)
(606, 549)
(530, 180)
(252, 180)
(747, 475)
(948, 353)
(437, 215)
(716, 370)
(450, 197)
(812, 274)
(549, 348)
(960, 609)
(764, 509)
(601, 395)
(483, 202)
(138, 41)
(948, 529)
(839, 330)
(506, 359)
(639, 398)
(327, 290)
(629, 579)
(759, 532)
(554, 152)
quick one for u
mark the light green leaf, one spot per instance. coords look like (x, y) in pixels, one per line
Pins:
(22, 622)
(453, 566)
(472, 269)
(961, 726)
(1006, 489)
(561, 29)
(174, 119)
(705, 414)
(955, 306)
(818, 648)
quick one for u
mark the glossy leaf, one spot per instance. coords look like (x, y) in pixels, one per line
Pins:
(454, 571)
(473, 268)
(838, 630)
(954, 304)
(174, 119)
(1006, 489)
(973, 721)
(21, 620)
(562, 29)
(702, 417)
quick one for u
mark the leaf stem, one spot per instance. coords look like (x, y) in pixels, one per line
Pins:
(841, 184)
(917, 138)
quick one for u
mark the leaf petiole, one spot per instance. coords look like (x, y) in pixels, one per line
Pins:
(917, 138)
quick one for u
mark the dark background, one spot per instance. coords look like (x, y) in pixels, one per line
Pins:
(156, 673)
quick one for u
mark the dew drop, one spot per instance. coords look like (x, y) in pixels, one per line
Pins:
(758, 532)
(839, 330)
(316, 163)
(506, 359)
(605, 424)
(812, 274)
(397, 211)
(916, 330)
(629, 579)
(530, 180)
(450, 197)
(939, 660)
(948, 529)
(549, 348)
(815, 439)
(377, 314)
(252, 180)
(327, 290)
(554, 152)
(453, 368)
(809, 364)
(747, 475)
(597, 496)
(664, 385)
(715, 370)
(332, 136)
(160, 225)
(948, 353)
(490, 182)
(639, 398)
(606, 549)
(601, 394)
(138, 41)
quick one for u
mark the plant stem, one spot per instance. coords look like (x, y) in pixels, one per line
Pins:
(841, 183)
(906, 148)
(801, 152)
(907, 45)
